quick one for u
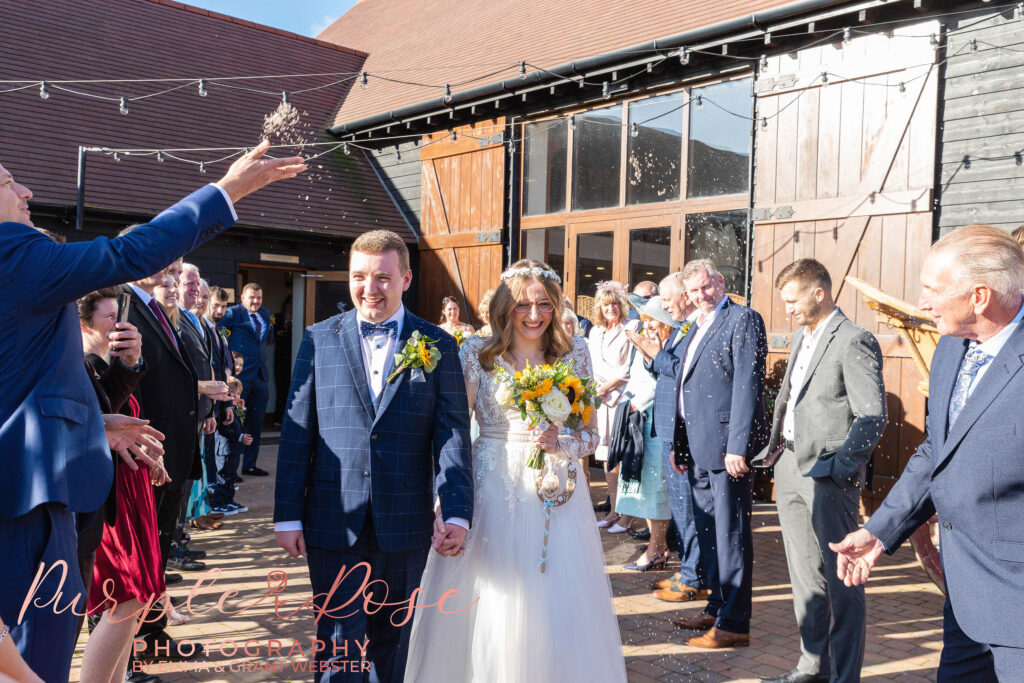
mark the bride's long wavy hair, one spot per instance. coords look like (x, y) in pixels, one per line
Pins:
(556, 342)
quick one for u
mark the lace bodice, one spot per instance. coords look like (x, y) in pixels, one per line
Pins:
(496, 421)
(505, 441)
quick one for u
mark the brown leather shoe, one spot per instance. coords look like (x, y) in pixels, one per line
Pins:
(665, 584)
(680, 592)
(700, 622)
(216, 516)
(717, 638)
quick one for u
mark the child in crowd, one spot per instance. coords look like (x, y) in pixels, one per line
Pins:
(230, 444)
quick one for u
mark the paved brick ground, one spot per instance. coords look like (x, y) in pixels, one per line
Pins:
(904, 610)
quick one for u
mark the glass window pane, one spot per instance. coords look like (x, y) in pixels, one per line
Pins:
(719, 151)
(544, 167)
(593, 264)
(649, 253)
(722, 237)
(597, 158)
(547, 245)
(656, 151)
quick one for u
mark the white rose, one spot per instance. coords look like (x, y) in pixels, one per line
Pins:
(556, 406)
(503, 394)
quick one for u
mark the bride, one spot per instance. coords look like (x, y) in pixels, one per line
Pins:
(526, 625)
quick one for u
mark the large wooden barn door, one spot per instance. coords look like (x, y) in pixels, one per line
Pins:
(844, 170)
(463, 185)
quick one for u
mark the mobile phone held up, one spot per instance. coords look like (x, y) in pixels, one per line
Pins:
(123, 302)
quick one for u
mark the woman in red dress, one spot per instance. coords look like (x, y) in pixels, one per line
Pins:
(127, 573)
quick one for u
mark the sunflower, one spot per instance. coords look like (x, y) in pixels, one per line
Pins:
(542, 389)
(572, 387)
(586, 414)
(424, 353)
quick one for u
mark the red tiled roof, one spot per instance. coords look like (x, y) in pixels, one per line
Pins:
(118, 39)
(451, 41)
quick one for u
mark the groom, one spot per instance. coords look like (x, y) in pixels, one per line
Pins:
(359, 460)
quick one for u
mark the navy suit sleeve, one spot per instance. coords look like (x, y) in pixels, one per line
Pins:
(749, 351)
(49, 274)
(451, 436)
(665, 364)
(299, 434)
(909, 503)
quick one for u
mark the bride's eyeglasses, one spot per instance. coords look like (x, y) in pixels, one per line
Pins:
(543, 307)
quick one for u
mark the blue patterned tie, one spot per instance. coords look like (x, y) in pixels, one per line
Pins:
(368, 329)
(972, 362)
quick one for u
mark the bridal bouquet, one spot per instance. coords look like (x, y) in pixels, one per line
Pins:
(546, 395)
(461, 336)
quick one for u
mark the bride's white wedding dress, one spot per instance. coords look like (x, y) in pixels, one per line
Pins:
(558, 625)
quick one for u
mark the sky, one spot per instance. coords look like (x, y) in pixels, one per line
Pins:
(305, 17)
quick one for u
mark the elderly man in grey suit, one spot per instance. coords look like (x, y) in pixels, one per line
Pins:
(829, 415)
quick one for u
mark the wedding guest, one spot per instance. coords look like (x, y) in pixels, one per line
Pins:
(967, 470)
(483, 309)
(609, 350)
(585, 325)
(1018, 235)
(450, 317)
(690, 582)
(55, 449)
(13, 669)
(835, 370)
(571, 324)
(642, 490)
(127, 563)
(231, 442)
(238, 361)
(722, 425)
(249, 328)
(223, 367)
(644, 289)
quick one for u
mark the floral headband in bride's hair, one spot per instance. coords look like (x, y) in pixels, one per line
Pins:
(612, 286)
(535, 272)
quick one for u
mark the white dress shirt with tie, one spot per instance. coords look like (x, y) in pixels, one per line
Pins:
(378, 359)
(993, 346)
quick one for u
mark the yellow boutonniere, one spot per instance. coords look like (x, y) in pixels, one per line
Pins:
(419, 352)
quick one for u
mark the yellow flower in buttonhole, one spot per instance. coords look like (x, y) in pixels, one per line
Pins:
(423, 352)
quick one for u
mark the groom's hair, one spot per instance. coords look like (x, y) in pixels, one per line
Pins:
(381, 242)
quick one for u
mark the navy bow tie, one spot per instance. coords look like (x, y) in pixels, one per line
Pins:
(368, 329)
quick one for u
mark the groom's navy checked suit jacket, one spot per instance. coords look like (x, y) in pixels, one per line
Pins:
(339, 452)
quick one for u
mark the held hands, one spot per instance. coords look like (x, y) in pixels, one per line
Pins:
(546, 440)
(645, 345)
(448, 538)
(292, 542)
(250, 172)
(856, 554)
(736, 465)
(133, 439)
(217, 391)
(126, 344)
(158, 475)
(247, 439)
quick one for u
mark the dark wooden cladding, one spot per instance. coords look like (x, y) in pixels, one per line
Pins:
(119, 39)
(853, 161)
(463, 186)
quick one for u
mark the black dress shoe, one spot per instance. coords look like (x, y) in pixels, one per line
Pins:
(185, 564)
(255, 472)
(641, 534)
(239, 480)
(606, 506)
(161, 647)
(797, 676)
(141, 677)
(171, 578)
(192, 554)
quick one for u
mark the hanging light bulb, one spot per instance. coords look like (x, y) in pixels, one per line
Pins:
(634, 130)
(447, 93)
(764, 123)
(202, 87)
(846, 35)
(974, 44)
(933, 40)
(124, 106)
(1020, 11)
(764, 61)
(345, 149)
(572, 121)
(454, 136)
(606, 90)
(117, 157)
(398, 153)
(363, 82)
(824, 77)
(284, 99)
(511, 147)
(684, 56)
(700, 101)
(44, 92)
(903, 88)
(202, 167)
(522, 69)
(160, 156)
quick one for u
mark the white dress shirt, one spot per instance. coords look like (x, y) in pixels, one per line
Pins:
(702, 329)
(378, 359)
(799, 373)
(231, 204)
(993, 346)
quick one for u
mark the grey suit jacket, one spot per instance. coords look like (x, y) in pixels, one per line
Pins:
(840, 409)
